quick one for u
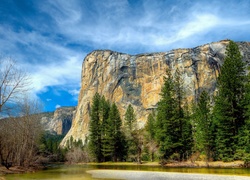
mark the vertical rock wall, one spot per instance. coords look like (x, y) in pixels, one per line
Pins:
(137, 80)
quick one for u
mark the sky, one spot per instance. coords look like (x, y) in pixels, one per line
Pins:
(49, 39)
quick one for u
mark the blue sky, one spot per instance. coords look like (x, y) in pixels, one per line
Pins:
(50, 38)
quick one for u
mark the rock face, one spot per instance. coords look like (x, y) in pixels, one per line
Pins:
(60, 121)
(137, 79)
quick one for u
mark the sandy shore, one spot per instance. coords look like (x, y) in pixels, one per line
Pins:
(146, 175)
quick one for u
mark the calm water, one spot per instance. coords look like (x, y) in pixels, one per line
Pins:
(78, 172)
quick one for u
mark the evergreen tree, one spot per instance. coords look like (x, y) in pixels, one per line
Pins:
(129, 128)
(130, 120)
(133, 135)
(150, 135)
(173, 128)
(187, 136)
(150, 125)
(244, 134)
(167, 133)
(117, 137)
(203, 127)
(106, 129)
(228, 109)
(95, 129)
(182, 118)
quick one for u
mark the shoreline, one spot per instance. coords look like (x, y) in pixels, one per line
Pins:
(186, 164)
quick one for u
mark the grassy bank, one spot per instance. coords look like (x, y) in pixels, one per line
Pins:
(214, 164)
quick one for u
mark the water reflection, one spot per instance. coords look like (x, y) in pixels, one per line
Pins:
(78, 172)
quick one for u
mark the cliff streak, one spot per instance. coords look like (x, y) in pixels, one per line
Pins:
(137, 80)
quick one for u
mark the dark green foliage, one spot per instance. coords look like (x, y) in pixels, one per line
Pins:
(173, 128)
(106, 138)
(134, 136)
(49, 145)
(228, 109)
(203, 126)
(71, 143)
(117, 141)
(151, 125)
(95, 129)
(107, 130)
(130, 128)
(244, 134)
(151, 144)
(165, 113)
(130, 120)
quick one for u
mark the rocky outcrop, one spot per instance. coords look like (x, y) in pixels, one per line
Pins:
(137, 79)
(60, 121)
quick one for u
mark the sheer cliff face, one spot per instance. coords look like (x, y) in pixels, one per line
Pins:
(137, 80)
(60, 121)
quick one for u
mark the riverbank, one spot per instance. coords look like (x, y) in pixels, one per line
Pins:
(196, 164)
(16, 170)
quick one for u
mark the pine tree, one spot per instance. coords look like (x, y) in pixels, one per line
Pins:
(106, 129)
(182, 118)
(203, 127)
(117, 144)
(129, 128)
(130, 120)
(173, 128)
(150, 135)
(228, 109)
(95, 129)
(150, 125)
(168, 129)
(244, 134)
(133, 135)
(246, 128)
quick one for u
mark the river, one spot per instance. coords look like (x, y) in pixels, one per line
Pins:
(91, 172)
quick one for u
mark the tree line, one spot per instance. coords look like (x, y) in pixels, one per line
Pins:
(213, 127)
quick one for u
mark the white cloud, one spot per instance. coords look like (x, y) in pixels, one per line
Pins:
(57, 106)
(67, 72)
(114, 25)
(45, 49)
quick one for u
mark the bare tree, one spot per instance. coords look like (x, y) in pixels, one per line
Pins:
(19, 135)
(13, 83)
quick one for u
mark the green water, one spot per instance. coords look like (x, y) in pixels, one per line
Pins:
(78, 172)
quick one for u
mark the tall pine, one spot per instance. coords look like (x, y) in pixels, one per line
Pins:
(117, 144)
(95, 129)
(173, 128)
(150, 128)
(203, 126)
(228, 109)
(106, 129)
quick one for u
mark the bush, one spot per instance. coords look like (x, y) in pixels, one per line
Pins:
(175, 157)
(76, 155)
(246, 160)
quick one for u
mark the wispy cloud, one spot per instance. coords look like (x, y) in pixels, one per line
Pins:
(51, 38)
(65, 72)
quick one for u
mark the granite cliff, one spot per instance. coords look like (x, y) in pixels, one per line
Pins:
(58, 122)
(137, 79)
